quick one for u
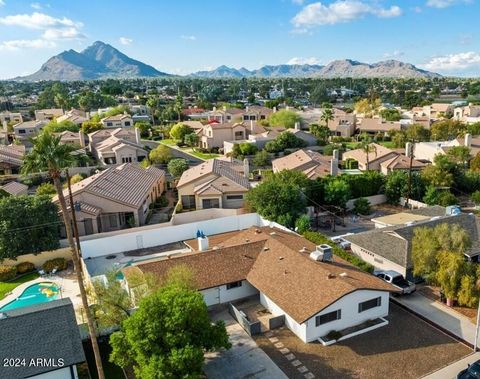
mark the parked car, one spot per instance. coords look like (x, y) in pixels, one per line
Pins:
(397, 280)
(471, 372)
(342, 242)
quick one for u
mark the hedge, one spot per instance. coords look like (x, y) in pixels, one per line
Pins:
(7, 273)
(58, 263)
(25, 267)
(318, 239)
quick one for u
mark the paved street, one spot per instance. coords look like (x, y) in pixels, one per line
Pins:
(244, 360)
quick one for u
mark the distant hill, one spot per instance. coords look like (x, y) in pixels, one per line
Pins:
(98, 61)
(346, 68)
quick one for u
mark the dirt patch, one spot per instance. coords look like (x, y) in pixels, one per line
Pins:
(406, 348)
(433, 293)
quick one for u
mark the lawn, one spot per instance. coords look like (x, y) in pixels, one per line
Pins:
(202, 155)
(111, 370)
(6, 287)
(168, 142)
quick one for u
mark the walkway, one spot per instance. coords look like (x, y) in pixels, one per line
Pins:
(441, 315)
(244, 360)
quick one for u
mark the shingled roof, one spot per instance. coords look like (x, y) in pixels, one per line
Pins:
(46, 330)
(271, 260)
(395, 242)
(311, 163)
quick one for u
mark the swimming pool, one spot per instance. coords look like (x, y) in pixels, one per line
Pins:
(34, 294)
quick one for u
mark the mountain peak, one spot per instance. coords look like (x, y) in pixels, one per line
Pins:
(98, 61)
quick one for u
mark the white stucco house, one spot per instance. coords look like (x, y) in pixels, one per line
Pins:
(316, 293)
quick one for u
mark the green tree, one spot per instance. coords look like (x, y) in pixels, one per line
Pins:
(440, 174)
(177, 166)
(322, 132)
(91, 126)
(475, 163)
(179, 131)
(284, 118)
(468, 293)
(191, 139)
(168, 335)
(361, 206)
(284, 141)
(447, 130)
(58, 127)
(49, 155)
(302, 224)
(261, 158)
(460, 155)
(327, 115)
(160, 155)
(279, 197)
(46, 189)
(144, 128)
(390, 114)
(337, 192)
(368, 148)
(451, 267)
(476, 197)
(29, 225)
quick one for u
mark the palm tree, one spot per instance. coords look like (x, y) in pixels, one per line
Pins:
(327, 115)
(49, 155)
(368, 148)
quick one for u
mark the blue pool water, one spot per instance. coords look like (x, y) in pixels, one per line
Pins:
(35, 294)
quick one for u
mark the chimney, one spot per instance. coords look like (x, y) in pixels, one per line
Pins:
(335, 154)
(252, 127)
(81, 137)
(297, 125)
(246, 108)
(468, 140)
(274, 109)
(334, 163)
(202, 243)
(214, 109)
(408, 149)
(246, 168)
(137, 136)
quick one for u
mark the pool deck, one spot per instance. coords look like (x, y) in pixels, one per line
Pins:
(67, 282)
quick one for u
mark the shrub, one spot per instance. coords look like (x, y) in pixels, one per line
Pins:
(25, 267)
(7, 273)
(361, 206)
(334, 335)
(58, 263)
(302, 224)
(318, 239)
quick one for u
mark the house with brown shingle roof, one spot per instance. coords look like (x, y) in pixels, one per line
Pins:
(123, 120)
(11, 159)
(216, 183)
(314, 296)
(312, 164)
(116, 198)
(400, 162)
(376, 156)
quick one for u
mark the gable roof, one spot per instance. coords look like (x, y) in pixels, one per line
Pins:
(217, 167)
(270, 259)
(360, 156)
(12, 154)
(313, 164)
(401, 162)
(14, 188)
(46, 330)
(127, 184)
(118, 117)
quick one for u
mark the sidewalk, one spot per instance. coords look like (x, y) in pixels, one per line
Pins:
(440, 315)
(451, 371)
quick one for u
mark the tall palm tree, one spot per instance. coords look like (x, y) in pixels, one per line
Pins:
(368, 148)
(49, 155)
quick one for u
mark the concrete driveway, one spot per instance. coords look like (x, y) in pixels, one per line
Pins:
(244, 360)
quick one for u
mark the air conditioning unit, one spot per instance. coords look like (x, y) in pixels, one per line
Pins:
(322, 253)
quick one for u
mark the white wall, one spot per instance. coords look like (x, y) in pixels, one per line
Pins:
(156, 235)
(373, 200)
(299, 329)
(350, 316)
(379, 262)
(221, 295)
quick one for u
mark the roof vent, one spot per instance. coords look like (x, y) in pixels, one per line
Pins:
(273, 233)
(266, 249)
(247, 240)
(331, 276)
(343, 274)
(280, 258)
(258, 231)
(303, 250)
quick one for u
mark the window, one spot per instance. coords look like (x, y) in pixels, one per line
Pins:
(188, 201)
(369, 304)
(328, 317)
(234, 197)
(127, 123)
(21, 131)
(112, 219)
(109, 124)
(234, 285)
(210, 203)
(127, 160)
(238, 135)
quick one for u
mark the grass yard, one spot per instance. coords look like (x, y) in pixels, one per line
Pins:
(168, 142)
(406, 348)
(6, 287)
(201, 155)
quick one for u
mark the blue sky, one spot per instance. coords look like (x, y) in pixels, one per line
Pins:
(183, 36)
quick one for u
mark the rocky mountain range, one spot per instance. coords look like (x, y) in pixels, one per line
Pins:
(98, 61)
(346, 68)
(101, 60)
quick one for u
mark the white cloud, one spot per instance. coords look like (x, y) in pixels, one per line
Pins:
(62, 33)
(340, 11)
(189, 38)
(445, 3)
(394, 54)
(452, 62)
(301, 60)
(125, 40)
(36, 6)
(20, 44)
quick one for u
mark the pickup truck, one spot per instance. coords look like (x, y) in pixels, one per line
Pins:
(397, 280)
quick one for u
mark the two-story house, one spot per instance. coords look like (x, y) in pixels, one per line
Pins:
(123, 120)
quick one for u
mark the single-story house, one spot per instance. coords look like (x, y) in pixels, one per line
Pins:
(400, 162)
(15, 188)
(116, 198)
(216, 183)
(376, 156)
(390, 248)
(314, 296)
(377, 125)
(311, 163)
(41, 341)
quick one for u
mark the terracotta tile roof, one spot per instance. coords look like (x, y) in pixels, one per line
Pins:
(127, 184)
(218, 167)
(270, 259)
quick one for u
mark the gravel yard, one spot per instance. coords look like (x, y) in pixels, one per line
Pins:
(406, 348)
